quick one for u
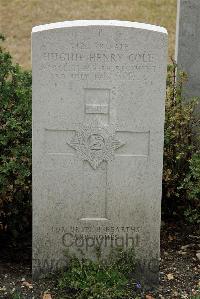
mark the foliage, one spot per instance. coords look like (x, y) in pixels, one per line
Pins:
(192, 180)
(192, 186)
(99, 279)
(197, 296)
(179, 147)
(15, 147)
(16, 295)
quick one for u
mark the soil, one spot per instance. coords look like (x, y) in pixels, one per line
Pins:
(179, 269)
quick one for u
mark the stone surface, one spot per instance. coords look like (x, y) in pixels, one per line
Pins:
(188, 45)
(198, 255)
(98, 118)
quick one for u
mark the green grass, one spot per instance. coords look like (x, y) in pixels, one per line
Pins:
(110, 279)
(19, 16)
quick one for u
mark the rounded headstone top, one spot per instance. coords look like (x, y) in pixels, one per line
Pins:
(82, 23)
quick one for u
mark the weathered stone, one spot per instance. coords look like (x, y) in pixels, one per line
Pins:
(188, 46)
(98, 118)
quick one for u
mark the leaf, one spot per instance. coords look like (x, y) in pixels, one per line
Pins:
(171, 238)
(170, 276)
(47, 296)
(27, 284)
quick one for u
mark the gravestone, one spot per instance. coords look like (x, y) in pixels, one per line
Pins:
(98, 118)
(188, 46)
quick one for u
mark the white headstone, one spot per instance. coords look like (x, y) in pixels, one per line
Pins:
(188, 45)
(98, 117)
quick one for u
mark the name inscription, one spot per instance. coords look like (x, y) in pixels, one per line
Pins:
(98, 57)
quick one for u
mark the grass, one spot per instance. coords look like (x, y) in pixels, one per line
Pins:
(110, 279)
(19, 16)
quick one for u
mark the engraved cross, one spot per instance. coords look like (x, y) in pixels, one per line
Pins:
(96, 142)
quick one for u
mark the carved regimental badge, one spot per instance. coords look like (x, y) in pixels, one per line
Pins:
(95, 143)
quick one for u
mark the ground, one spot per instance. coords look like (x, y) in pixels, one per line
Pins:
(19, 16)
(179, 270)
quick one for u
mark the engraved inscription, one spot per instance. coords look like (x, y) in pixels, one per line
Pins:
(97, 109)
(78, 62)
(97, 104)
(99, 57)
